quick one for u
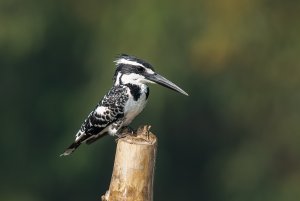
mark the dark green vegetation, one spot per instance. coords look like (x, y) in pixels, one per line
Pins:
(235, 138)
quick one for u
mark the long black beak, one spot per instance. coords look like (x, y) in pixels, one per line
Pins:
(164, 82)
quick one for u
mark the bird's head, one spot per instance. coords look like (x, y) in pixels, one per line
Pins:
(137, 71)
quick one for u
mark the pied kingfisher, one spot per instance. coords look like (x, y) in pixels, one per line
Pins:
(124, 101)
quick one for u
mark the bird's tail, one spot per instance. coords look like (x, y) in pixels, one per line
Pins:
(80, 137)
(71, 148)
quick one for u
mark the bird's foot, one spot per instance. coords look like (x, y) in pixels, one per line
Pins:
(127, 130)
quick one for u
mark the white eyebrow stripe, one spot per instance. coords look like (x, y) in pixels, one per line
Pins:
(125, 61)
(149, 71)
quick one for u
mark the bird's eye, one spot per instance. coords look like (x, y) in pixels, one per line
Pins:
(141, 69)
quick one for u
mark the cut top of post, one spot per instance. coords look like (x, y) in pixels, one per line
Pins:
(142, 136)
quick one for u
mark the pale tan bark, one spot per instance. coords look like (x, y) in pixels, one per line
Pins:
(133, 173)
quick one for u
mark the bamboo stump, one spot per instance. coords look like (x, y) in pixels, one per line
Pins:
(133, 172)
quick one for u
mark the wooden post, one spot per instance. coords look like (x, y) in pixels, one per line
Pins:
(133, 173)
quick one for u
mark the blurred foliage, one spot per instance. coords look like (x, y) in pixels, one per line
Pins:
(236, 137)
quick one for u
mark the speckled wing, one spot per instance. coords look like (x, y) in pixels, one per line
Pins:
(107, 112)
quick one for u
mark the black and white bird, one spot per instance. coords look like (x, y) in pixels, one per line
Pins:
(124, 101)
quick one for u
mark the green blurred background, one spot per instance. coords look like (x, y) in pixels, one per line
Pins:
(235, 138)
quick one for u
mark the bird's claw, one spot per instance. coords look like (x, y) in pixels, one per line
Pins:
(127, 130)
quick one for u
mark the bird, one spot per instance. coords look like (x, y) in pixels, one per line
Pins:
(123, 102)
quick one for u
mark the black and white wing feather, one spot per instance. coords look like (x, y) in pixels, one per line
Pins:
(107, 117)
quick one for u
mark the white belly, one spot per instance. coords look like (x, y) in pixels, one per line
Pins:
(133, 108)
